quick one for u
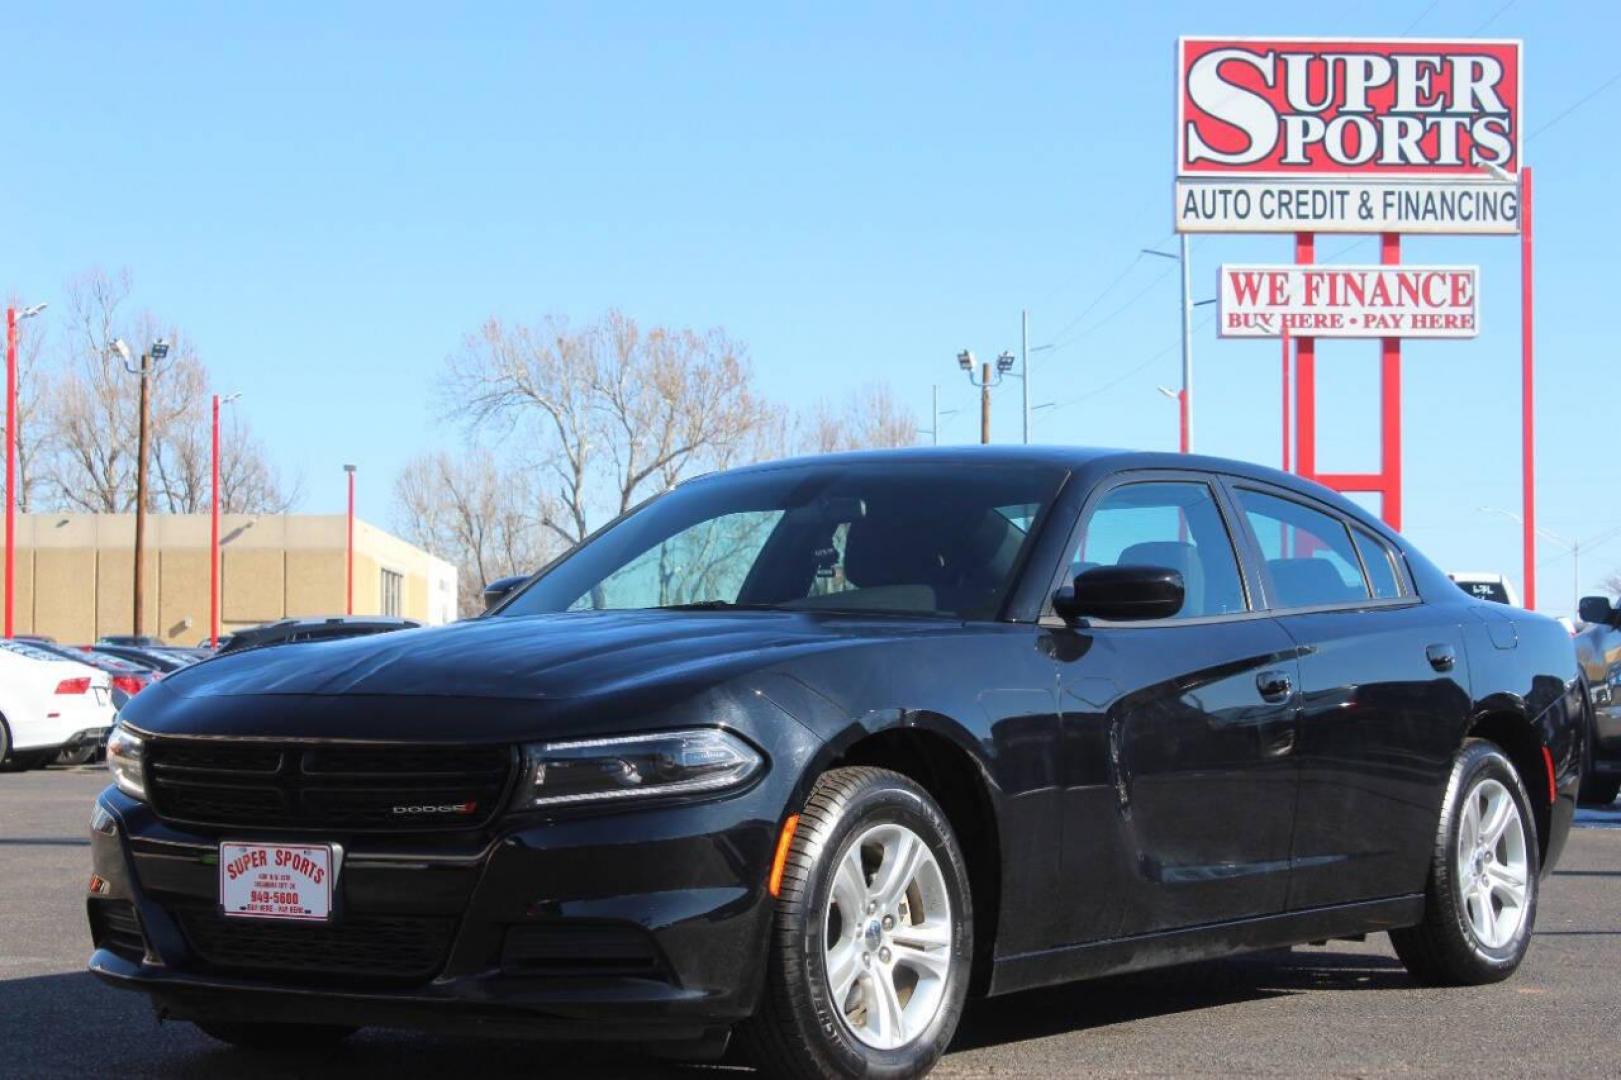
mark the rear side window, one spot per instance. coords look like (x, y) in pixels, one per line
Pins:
(1380, 562)
(1309, 554)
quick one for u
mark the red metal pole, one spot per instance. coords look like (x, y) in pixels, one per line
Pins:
(1528, 479)
(1286, 432)
(349, 588)
(1306, 379)
(1390, 403)
(214, 536)
(11, 466)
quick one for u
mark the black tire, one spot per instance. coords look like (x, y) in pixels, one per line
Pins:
(83, 754)
(798, 1030)
(285, 1038)
(1599, 790)
(5, 746)
(1444, 949)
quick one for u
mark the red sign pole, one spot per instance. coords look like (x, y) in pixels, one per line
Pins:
(1285, 399)
(1390, 403)
(1306, 379)
(11, 464)
(1528, 480)
(214, 534)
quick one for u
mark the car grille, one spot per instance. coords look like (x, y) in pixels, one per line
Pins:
(365, 947)
(336, 789)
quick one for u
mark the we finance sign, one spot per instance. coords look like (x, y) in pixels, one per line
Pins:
(1348, 135)
(1350, 301)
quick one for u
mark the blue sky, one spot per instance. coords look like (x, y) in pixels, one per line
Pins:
(327, 201)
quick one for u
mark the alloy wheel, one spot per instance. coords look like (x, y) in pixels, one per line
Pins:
(1493, 870)
(888, 936)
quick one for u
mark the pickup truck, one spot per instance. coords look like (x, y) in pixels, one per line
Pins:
(1598, 648)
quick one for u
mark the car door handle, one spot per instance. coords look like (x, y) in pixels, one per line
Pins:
(1274, 686)
(1441, 657)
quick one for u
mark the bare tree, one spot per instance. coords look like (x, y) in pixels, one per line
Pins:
(868, 419)
(485, 520)
(1613, 583)
(609, 413)
(93, 417)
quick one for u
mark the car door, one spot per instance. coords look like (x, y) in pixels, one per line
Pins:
(1178, 734)
(1384, 697)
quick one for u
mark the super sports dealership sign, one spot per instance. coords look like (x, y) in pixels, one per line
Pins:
(1328, 135)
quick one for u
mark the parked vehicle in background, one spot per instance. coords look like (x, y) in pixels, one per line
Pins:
(48, 704)
(127, 679)
(1486, 586)
(813, 749)
(164, 659)
(501, 588)
(290, 631)
(1598, 650)
(129, 639)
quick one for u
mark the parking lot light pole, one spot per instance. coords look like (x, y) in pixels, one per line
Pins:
(13, 316)
(349, 571)
(214, 527)
(1185, 401)
(1004, 364)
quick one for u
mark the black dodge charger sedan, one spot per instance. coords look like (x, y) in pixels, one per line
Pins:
(808, 752)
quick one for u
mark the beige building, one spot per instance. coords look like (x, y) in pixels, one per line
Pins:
(75, 574)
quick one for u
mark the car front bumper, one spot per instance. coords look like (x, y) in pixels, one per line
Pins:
(645, 924)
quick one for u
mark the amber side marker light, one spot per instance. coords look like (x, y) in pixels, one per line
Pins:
(1553, 792)
(780, 862)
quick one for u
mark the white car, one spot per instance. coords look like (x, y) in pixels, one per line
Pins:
(1486, 586)
(48, 703)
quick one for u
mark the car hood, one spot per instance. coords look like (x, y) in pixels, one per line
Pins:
(536, 657)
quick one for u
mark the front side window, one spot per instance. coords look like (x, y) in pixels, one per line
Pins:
(1172, 524)
(1309, 555)
(929, 538)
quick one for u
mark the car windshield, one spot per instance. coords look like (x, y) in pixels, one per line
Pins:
(913, 537)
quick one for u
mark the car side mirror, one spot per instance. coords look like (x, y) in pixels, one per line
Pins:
(1122, 594)
(1596, 609)
(499, 589)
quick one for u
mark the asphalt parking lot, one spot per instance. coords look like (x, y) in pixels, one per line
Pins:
(1345, 1009)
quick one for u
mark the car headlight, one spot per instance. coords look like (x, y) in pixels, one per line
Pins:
(125, 751)
(634, 766)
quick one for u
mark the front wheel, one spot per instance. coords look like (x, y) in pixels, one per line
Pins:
(1481, 900)
(872, 940)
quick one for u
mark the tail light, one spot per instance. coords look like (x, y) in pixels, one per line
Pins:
(130, 684)
(73, 686)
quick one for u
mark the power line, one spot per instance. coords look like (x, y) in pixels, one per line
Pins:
(1493, 16)
(1578, 103)
(1123, 376)
(1058, 344)
(1421, 17)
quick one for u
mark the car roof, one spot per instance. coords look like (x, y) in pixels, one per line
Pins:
(1094, 460)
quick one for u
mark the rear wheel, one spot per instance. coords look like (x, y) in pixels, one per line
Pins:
(1481, 900)
(287, 1038)
(873, 936)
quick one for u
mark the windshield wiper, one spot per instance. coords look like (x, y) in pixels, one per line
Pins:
(712, 605)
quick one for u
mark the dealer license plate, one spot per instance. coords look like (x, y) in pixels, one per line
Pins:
(276, 881)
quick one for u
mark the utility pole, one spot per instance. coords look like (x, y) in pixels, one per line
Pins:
(1004, 364)
(349, 560)
(1185, 398)
(1024, 367)
(150, 358)
(934, 428)
(214, 528)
